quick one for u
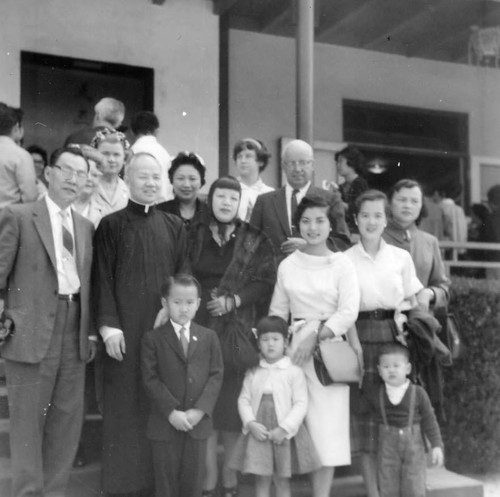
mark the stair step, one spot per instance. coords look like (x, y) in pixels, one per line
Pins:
(444, 483)
(440, 483)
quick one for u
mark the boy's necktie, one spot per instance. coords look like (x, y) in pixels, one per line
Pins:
(184, 340)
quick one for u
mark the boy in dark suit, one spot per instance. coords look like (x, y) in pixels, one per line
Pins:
(182, 372)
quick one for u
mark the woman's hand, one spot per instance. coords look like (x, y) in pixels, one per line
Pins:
(219, 306)
(425, 298)
(304, 350)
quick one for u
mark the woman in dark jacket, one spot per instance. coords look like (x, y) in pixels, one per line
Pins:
(187, 175)
(234, 263)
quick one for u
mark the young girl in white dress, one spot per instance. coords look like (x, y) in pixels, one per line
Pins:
(320, 287)
(272, 406)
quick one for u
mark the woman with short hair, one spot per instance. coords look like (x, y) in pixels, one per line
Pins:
(187, 176)
(112, 192)
(251, 158)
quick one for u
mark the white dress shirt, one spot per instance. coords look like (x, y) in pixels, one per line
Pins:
(387, 281)
(177, 329)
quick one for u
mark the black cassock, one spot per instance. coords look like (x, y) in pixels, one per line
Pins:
(135, 250)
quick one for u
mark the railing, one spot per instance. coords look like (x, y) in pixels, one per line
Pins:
(457, 247)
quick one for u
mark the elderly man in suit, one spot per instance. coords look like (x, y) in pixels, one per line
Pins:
(45, 260)
(273, 212)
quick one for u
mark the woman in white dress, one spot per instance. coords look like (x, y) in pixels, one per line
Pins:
(319, 287)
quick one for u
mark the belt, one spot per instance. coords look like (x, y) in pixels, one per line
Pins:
(69, 297)
(377, 314)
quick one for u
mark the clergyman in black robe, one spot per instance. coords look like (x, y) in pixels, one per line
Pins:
(136, 249)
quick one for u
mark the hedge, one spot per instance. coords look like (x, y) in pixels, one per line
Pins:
(471, 431)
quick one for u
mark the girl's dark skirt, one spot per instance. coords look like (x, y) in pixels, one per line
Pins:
(293, 456)
(364, 425)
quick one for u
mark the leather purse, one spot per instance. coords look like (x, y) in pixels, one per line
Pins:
(335, 361)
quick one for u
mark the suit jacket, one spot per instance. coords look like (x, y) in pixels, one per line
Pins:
(270, 215)
(173, 381)
(28, 279)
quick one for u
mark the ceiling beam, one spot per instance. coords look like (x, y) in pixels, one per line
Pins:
(221, 7)
(418, 23)
(334, 28)
(276, 16)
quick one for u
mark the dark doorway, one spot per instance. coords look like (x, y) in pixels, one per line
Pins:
(406, 142)
(58, 94)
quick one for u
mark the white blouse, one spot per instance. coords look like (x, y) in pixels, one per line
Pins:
(387, 280)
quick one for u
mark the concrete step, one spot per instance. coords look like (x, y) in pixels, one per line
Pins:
(85, 482)
(444, 483)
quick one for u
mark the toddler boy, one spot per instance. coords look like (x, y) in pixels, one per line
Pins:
(406, 415)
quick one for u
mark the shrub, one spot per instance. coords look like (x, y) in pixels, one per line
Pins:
(472, 384)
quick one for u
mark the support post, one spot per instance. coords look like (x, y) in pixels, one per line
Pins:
(305, 69)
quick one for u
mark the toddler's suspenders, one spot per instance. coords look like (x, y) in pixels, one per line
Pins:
(411, 414)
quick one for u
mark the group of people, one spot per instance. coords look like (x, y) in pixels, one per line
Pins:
(163, 279)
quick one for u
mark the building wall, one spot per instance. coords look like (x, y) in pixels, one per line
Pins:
(262, 90)
(179, 40)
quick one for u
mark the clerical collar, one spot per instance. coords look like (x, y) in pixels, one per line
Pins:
(140, 209)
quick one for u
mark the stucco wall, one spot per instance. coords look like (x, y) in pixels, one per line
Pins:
(179, 40)
(262, 90)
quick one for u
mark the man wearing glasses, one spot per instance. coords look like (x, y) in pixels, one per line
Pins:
(273, 212)
(45, 260)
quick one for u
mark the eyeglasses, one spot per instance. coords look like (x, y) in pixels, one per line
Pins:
(300, 163)
(68, 172)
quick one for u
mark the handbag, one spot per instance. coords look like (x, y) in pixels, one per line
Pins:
(238, 345)
(452, 337)
(335, 361)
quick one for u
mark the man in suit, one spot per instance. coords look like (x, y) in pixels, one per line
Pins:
(182, 372)
(274, 211)
(45, 260)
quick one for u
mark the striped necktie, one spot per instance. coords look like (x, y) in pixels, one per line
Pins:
(293, 210)
(68, 243)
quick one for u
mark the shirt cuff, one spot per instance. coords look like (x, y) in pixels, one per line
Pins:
(108, 332)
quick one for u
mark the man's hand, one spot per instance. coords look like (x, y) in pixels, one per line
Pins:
(115, 346)
(277, 435)
(194, 416)
(437, 456)
(258, 431)
(161, 318)
(292, 244)
(92, 350)
(179, 420)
